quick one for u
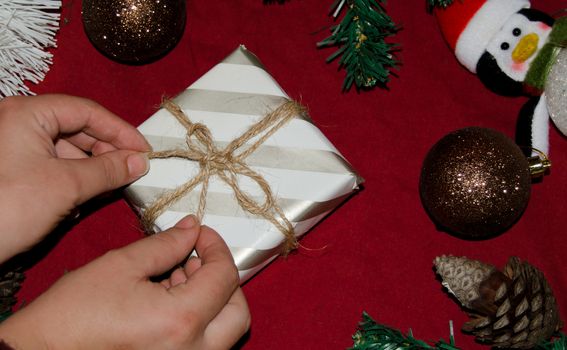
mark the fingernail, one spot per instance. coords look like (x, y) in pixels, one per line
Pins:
(138, 164)
(189, 221)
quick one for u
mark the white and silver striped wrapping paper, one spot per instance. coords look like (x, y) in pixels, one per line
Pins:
(305, 171)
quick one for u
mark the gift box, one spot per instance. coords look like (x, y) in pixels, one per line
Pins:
(306, 175)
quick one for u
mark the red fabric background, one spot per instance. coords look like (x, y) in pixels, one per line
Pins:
(379, 246)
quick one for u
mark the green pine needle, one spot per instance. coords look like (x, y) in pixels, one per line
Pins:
(558, 343)
(361, 44)
(439, 3)
(373, 336)
(5, 315)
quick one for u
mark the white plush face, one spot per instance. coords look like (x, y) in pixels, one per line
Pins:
(518, 30)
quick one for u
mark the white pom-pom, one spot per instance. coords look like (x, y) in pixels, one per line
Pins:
(27, 29)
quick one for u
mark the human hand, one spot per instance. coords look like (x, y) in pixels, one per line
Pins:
(45, 168)
(112, 304)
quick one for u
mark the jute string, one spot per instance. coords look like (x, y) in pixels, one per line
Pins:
(228, 165)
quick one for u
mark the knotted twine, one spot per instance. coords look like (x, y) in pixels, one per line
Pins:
(228, 165)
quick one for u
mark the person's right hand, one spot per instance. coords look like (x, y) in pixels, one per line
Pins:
(111, 303)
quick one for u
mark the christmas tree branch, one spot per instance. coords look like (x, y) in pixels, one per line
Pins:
(373, 336)
(5, 315)
(439, 3)
(361, 44)
(557, 343)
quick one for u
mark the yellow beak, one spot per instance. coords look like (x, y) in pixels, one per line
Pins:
(525, 48)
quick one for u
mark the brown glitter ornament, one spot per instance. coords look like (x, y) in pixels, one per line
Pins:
(134, 31)
(513, 308)
(475, 183)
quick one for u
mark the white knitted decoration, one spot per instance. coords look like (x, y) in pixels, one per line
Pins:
(27, 28)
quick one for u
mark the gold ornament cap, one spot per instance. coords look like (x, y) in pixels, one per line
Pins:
(539, 165)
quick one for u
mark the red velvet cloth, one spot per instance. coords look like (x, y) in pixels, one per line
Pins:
(375, 252)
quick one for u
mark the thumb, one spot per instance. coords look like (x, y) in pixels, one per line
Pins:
(106, 172)
(160, 252)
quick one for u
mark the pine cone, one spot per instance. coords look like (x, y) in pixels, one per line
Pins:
(513, 308)
(10, 283)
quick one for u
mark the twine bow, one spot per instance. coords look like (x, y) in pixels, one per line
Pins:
(228, 165)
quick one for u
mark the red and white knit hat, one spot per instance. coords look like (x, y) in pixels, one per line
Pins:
(468, 25)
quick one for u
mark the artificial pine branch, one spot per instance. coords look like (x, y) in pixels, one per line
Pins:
(4, 315)
(10, 282)
(439, 3)
(373, 336)
(558, 343)
(27, 28)
(360, 39)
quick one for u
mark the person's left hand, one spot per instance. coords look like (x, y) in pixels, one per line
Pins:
(46, 167)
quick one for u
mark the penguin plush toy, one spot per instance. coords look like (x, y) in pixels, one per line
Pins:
(514, 50)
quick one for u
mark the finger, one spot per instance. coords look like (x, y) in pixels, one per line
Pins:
(178, 276)
(210, 287)
(158, 253)
(230, 324)
(90, 144)
(166, 283)
(192, 264)
(65, 149)
(106, 172)
(102, 147)
(63, 114)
